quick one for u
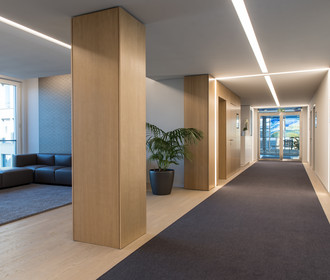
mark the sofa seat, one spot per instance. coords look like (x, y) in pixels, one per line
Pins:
(46, 174)
(15, 176)
(63, 176)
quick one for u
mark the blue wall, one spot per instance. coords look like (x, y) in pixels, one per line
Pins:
(55, 114)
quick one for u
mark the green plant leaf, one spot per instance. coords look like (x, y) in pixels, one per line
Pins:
(169, 147)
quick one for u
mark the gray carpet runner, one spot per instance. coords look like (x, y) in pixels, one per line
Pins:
(265, 224)
(20, 202)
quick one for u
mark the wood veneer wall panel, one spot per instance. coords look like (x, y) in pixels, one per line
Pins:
(102, 116)
(211, 131)
(95, 128)
(132, 118)
(222, 138)
(204, 100)
(196, 89)
(231, 147)
(227, 94)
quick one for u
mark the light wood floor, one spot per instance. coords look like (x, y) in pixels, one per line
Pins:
(41, 247)
(321, 192)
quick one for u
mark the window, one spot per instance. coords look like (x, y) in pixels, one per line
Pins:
(8, 121)
(6, 160)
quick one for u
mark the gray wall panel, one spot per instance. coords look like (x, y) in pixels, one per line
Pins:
(55, 114)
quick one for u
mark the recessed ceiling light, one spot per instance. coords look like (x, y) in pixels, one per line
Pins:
(276, 73)
(36, 33)
(272, 90)
(249, 31)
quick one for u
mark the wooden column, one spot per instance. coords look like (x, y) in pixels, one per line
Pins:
(108, 74)
(199, 112)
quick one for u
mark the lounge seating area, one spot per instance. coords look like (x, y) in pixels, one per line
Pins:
(54, 169)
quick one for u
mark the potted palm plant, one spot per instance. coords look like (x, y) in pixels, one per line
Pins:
(168, 148)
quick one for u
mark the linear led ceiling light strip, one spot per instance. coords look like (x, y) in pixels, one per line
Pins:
(33, 32)
(273, 74)
(250, 34)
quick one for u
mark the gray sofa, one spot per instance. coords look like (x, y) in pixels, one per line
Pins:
(47, 168)
(15, 176)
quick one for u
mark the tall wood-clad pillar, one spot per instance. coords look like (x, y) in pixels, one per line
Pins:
(199, 112)
(108, 74)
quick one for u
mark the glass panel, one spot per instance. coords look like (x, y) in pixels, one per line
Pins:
(291, 137)
(7, 123)
(270, 137)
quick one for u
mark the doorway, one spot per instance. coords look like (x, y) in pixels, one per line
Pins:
(279, 136)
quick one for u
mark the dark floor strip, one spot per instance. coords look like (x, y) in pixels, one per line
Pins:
(265, 224)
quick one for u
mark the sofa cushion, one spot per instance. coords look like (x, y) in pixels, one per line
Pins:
(45, 159)
(63, 160)
(46, 174)
(15, 176)
(23, 160)
(63, 176)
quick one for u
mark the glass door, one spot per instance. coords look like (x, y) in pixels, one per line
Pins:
(279, 136)
(291, 137)
(8, 140)
(269, 137)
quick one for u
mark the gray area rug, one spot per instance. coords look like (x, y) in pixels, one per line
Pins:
(23, 201)
(265, 224)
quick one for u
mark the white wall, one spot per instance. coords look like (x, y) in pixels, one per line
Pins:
(30, 116)
(165, 105)
(246, 139)
(321, 102)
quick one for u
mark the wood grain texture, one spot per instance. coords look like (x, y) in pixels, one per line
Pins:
(222, 139)
(211, 130)
(132, 119)
(201, 108)
(196, 110)
(233, 139)
(229, 135)
(101, 117)
(227, 94)
(95, 59)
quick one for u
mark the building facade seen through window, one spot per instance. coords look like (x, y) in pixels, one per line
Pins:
(7, 123)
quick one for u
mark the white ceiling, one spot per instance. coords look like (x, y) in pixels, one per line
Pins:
(186, 37)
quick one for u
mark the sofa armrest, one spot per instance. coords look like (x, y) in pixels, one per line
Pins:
(24, 160)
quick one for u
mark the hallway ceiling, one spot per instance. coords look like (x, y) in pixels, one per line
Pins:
(187, 37)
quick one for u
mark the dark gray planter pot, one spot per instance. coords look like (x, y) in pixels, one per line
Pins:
(161, 181)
